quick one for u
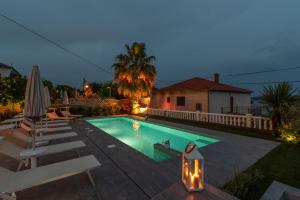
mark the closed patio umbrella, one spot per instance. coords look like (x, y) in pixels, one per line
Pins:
(66, 98)
(47, 97)
(34, 98)
(61, 95)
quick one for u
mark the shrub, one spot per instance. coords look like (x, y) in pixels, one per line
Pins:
(294, 118)
(9, 110)
(110, 109)
(288, 133)
(125, 108)
(240, 185)
(12, 89)
(82, 110)
(105, 109)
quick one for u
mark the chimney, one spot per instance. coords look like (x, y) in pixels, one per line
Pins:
(217, 77)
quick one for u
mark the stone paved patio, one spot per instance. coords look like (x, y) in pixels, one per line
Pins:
(232, 154)
(128, 174)
(176, 191)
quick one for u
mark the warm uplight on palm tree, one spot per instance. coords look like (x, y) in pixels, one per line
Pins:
(135, 73)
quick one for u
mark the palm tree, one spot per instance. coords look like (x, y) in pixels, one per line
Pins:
(278, 100)
(135, 73)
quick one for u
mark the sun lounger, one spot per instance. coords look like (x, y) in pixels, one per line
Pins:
(14, 151)
(11, 182)
(68, 114)
(19, 115)
(45, 124)
(55, 121)
(54, 116)
(52, 125)
(38, 139)
(12, 121)
(44, 130)
(7, 126)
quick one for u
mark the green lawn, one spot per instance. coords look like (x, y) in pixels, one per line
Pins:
(281, 164)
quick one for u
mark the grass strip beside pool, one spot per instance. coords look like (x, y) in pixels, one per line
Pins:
(281, 164)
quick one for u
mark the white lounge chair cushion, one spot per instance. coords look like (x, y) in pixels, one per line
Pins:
(11, 121)
(63, 120)
(7, 126)
(51, 125)
(19, 115)
(56, 148)
(45, 130)
(46, 123)
(16, 181)
(54, 116)
(68, 114)
(22, 136)
(12, 150)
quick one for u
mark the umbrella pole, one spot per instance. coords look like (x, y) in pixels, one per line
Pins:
(46, 118)
(33, 133)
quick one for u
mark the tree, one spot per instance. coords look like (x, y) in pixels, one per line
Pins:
(105, 89)
(135, 73)
(12, 89)
(52, 90)
(88, 92)
(278, 99)
(70, 90)
(5, 95)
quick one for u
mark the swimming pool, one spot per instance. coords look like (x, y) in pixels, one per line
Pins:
(142, 135)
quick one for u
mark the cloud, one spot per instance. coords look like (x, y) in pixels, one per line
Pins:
(191, 38)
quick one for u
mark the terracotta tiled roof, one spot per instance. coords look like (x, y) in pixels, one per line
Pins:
(203, 84)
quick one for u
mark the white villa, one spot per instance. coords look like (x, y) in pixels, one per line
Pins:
(203, 95)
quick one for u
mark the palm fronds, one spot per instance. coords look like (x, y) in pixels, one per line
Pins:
(134, 72)
(278, 99)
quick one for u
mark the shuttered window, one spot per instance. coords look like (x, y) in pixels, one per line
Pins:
(199, 107)
(168, 99)
(181, 101)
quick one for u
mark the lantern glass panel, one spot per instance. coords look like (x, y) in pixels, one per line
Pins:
(192, 170)
(185, 170)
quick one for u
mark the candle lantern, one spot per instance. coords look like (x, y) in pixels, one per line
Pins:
(192, 168)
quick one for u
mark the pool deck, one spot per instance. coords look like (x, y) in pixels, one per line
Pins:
(127, 174)
(231, 155)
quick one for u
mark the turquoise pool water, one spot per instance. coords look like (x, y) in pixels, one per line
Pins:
(142, 135)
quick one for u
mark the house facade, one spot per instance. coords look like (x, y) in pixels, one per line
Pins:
(202, 95)
(8, 71)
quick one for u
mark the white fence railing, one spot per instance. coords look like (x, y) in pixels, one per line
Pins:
(248, 121)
